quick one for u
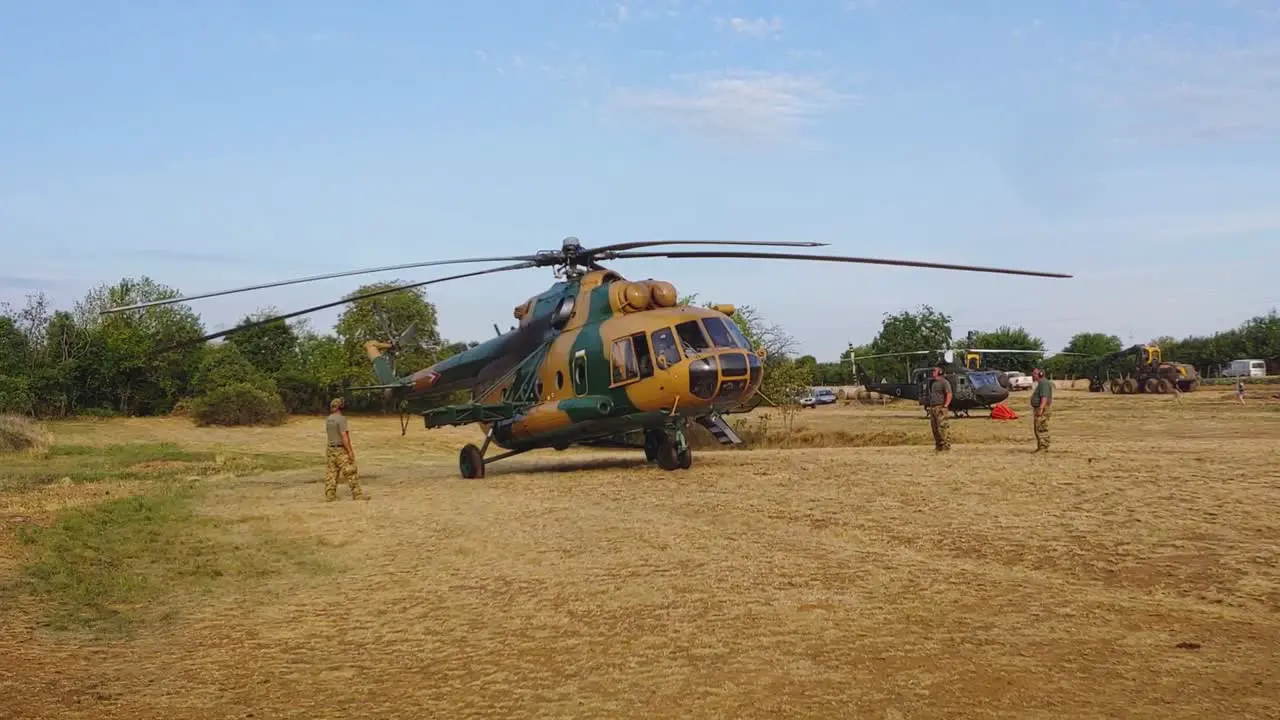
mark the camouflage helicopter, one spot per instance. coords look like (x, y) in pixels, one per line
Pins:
(596, 359)
(973, 387)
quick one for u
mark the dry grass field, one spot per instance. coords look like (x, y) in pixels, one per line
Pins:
(150, 569)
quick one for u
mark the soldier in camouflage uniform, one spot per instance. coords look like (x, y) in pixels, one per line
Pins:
(340, 459)
(1041, 401)
(937, 402)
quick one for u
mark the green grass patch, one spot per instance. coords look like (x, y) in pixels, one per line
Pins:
(108, 568)
(137, 461)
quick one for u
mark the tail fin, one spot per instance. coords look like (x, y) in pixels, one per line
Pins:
(861, 376)
(381, 363)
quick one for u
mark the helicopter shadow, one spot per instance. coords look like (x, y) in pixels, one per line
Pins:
(536, 467)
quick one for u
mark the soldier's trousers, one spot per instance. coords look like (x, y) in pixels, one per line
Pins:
(1041, 423)
(940, 423)
(338, 465)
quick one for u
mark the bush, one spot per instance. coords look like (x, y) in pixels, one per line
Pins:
(238, 404)
(18, 434)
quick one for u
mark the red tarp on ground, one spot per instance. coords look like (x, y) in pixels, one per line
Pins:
(1002, 412)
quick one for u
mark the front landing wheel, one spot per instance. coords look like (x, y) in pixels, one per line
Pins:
(471, 462)
(684, 458)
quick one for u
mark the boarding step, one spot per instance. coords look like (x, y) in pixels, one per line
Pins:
(720, 429)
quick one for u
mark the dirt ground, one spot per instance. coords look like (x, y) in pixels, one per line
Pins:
(1131, 572)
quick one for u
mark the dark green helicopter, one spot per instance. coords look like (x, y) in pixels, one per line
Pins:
(972, 386)
(596, 359)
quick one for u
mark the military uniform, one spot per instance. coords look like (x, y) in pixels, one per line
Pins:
(338, 464)
(1043, 391)
(935, 403)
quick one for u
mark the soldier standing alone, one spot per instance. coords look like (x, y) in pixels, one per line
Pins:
(1041, 400)
(937, 402)
(340, 458)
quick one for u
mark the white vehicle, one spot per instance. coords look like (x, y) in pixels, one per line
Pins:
(1019, 381)
(1246, 368)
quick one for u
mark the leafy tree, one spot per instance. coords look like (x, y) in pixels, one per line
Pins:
(925, 329)
(384, 318)
(1008, 338)
(1090, 346)
(268, 347)
(223, 365)
(123, 361)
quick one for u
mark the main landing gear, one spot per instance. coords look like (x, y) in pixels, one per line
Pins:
(471, 461)
(669, 449)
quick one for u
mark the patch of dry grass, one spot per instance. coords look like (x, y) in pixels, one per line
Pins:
(21, 435)
(1130, 572)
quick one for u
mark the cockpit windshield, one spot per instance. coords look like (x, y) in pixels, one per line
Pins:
(983, 379)
(692, 340)
(720, 334)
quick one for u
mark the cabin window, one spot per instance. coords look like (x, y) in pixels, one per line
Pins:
(644, 362)
(692, 338)
(720, 334)
(664, 346)
(579, 373)
(624, 361)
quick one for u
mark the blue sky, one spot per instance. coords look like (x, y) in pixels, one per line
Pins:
(211, 144)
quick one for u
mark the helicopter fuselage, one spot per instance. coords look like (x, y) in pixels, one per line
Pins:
(599, 356)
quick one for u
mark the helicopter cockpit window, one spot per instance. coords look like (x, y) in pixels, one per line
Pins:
(692, 340)
(664, 346)
(624, 361)
(743, 342)
(720, 334)
(644, 362)
(983, 379)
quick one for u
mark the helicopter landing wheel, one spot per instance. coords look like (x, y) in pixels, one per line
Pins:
(684, 458)
(665, 453)
(652, 440)
(471, 462)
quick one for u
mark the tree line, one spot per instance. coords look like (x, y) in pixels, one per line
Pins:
(927, 328)
(57, 363)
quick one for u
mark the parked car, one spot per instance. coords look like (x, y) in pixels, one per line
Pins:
(1246, 368)
(819, 396)
(1019, 381)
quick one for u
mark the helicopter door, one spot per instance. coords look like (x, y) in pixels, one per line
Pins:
(963, 388)
(579, 373)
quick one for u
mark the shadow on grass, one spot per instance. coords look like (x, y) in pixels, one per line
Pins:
(109, 567)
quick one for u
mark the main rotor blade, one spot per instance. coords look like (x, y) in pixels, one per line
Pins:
(831, 258)
(313, 278)
(607, 250)
(344, 301)
(893, 354)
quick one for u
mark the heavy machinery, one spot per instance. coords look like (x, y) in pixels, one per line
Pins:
(1150, 374)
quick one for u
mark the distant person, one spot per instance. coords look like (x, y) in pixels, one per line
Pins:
(937, 402)
(1240, 391)
(340, 458)
(1041, 402)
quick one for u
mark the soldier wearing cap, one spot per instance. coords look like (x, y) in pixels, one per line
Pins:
(340, 459)
(937, 402)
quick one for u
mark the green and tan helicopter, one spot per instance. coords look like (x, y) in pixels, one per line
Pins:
(596, 359)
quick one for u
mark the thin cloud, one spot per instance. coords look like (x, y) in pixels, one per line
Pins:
(760, 106)
(17, 282)
(757, 27)
(1181, 90)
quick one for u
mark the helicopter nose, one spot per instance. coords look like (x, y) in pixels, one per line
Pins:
(727, 376)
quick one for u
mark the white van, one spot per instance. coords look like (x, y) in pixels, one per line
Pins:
(1246, 368)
